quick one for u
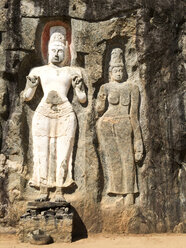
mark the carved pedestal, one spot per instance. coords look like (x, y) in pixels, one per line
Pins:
(46, 222)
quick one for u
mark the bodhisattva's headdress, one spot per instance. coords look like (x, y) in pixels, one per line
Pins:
(116, 59)
(57, 34)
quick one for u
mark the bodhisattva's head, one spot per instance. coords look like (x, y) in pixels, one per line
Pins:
(116, 65)
(56, 53)
(116, 73)
(57, 49)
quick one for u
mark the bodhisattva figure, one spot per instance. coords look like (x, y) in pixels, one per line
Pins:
(119, 132)
(54, 121)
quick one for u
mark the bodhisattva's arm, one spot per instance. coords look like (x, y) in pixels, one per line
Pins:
(31, 86)
(100, 106)
(78, 85)
(138, 143)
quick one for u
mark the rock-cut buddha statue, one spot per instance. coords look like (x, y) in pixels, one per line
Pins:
(54, 121)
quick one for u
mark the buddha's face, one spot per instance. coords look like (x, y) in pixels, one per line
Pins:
(56, 53)
(117, 73)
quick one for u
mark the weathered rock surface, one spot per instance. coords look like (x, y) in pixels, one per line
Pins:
(152, 36)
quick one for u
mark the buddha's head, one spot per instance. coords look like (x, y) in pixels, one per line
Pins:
(57, 48)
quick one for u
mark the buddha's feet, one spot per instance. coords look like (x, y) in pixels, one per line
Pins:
(69, 183)
(31, 183)
(59, 198)
(42, 198)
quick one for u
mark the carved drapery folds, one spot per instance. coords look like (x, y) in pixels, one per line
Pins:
(119, 131)
(54, 122)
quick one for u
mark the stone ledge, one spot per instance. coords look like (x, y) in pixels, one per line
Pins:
(52, 219)
(47, 205)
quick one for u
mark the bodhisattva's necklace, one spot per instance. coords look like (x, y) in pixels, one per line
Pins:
(57, 68)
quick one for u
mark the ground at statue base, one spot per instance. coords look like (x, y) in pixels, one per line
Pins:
(106, 240)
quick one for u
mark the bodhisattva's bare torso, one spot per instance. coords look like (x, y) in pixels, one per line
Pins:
(55, 78)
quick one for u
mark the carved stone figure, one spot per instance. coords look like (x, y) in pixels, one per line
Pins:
(119, 131)
(54, 121)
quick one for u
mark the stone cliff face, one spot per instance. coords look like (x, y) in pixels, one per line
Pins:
(152, 36)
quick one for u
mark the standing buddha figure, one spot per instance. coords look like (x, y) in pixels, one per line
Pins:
(54, 122)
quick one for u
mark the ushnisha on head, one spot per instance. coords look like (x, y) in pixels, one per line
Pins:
(58, 46)
(116, 65)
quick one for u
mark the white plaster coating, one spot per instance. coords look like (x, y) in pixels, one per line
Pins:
(54, 121)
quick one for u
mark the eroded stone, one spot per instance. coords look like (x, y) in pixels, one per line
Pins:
(46, 222)
(118, 124)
